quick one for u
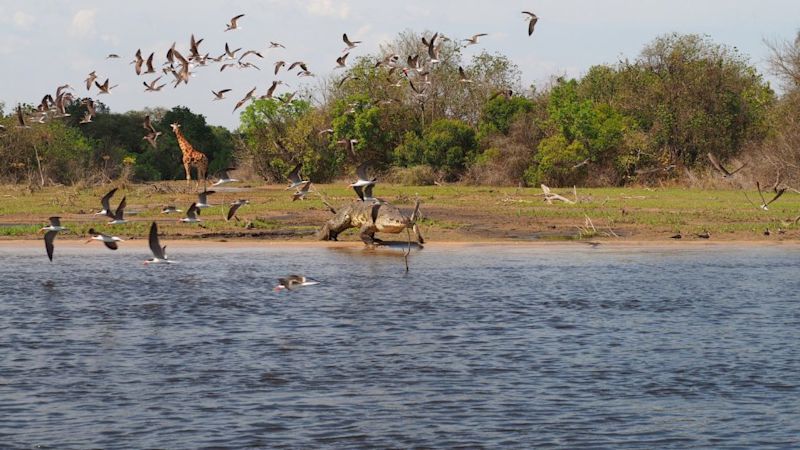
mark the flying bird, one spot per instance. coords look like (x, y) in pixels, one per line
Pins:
(169, 209)
(159, 252)
(295, 180)
(52, 231)
(225, 178)
(105, 202)
(294, 281)
(532, 19)
(104, 88)
(474, 39)
(202, 199)
(191, 215)
(276, 45)
(220, 95)
(350, 44)
(109, 241)
(245, 99)
(90, 79)
(301, 193)
(235, 207)
(151, 87)
(363, 179)
(764, 203)
(234, 25)
(463, 76)
(278, 65)
(117, 217)
(341, 62)
(725, 173)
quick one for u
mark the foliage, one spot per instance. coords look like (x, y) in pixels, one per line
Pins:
(447, 145)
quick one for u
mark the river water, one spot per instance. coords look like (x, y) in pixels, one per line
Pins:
(486, 346)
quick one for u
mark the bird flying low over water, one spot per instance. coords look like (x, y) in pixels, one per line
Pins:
(294, 281)
(51, 232)
(109, 241)
(159, 252)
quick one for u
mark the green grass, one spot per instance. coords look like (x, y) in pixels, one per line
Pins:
(448, 210)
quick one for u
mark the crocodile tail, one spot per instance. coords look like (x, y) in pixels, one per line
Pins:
(324, 233)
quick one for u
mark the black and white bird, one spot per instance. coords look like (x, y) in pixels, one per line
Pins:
(363, 179)
(295, 180)
(202, 199)
(532, 19)
(225, 178)
(764, 202)
(169, 209)
(233, 25)
(51, 232)
(723, 171)
(301, 193)
(109, 241)
(191, 215)
(104, 201)
(350, 44)
(159, 252)
(294, 281)
(118, 216)
(235, 207)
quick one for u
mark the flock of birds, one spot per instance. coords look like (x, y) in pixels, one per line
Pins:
(363, 187)
(181, 67)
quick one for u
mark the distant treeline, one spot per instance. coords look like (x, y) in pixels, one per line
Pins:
(645, 120)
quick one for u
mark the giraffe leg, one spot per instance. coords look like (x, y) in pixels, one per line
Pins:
(188, 173)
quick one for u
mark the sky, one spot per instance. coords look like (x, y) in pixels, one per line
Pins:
(46, 43)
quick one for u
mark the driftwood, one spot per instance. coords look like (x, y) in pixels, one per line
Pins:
(550, 196)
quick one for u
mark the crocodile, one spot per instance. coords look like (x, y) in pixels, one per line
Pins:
(370, 217)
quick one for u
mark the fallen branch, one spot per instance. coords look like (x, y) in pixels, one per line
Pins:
(550, 196)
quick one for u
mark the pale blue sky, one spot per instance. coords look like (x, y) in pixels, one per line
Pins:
(47, 43)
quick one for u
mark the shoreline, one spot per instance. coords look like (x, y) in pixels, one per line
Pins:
(355, 244)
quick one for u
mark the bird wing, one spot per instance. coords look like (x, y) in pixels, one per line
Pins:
(191, 212)
(532, 23)
(716, 164)
(111, 245)
(120, 209)
(346, 40)
(777, 195)
(55, 221)
(294, 175)
(368, 190)
(155, 246)
(48, 243)
(361, 171)
(359, 191)
(374, 213)
(105, 200)
(231, 212)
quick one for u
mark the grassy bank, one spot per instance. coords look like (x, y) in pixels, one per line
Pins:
(452, 212)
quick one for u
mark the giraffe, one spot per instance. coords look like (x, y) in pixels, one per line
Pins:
(191, 157)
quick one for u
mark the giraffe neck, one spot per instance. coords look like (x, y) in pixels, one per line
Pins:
(182, 142)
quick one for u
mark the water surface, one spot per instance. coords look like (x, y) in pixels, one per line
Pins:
(501, 347)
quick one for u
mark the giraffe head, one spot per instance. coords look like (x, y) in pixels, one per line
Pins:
(175, 127)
